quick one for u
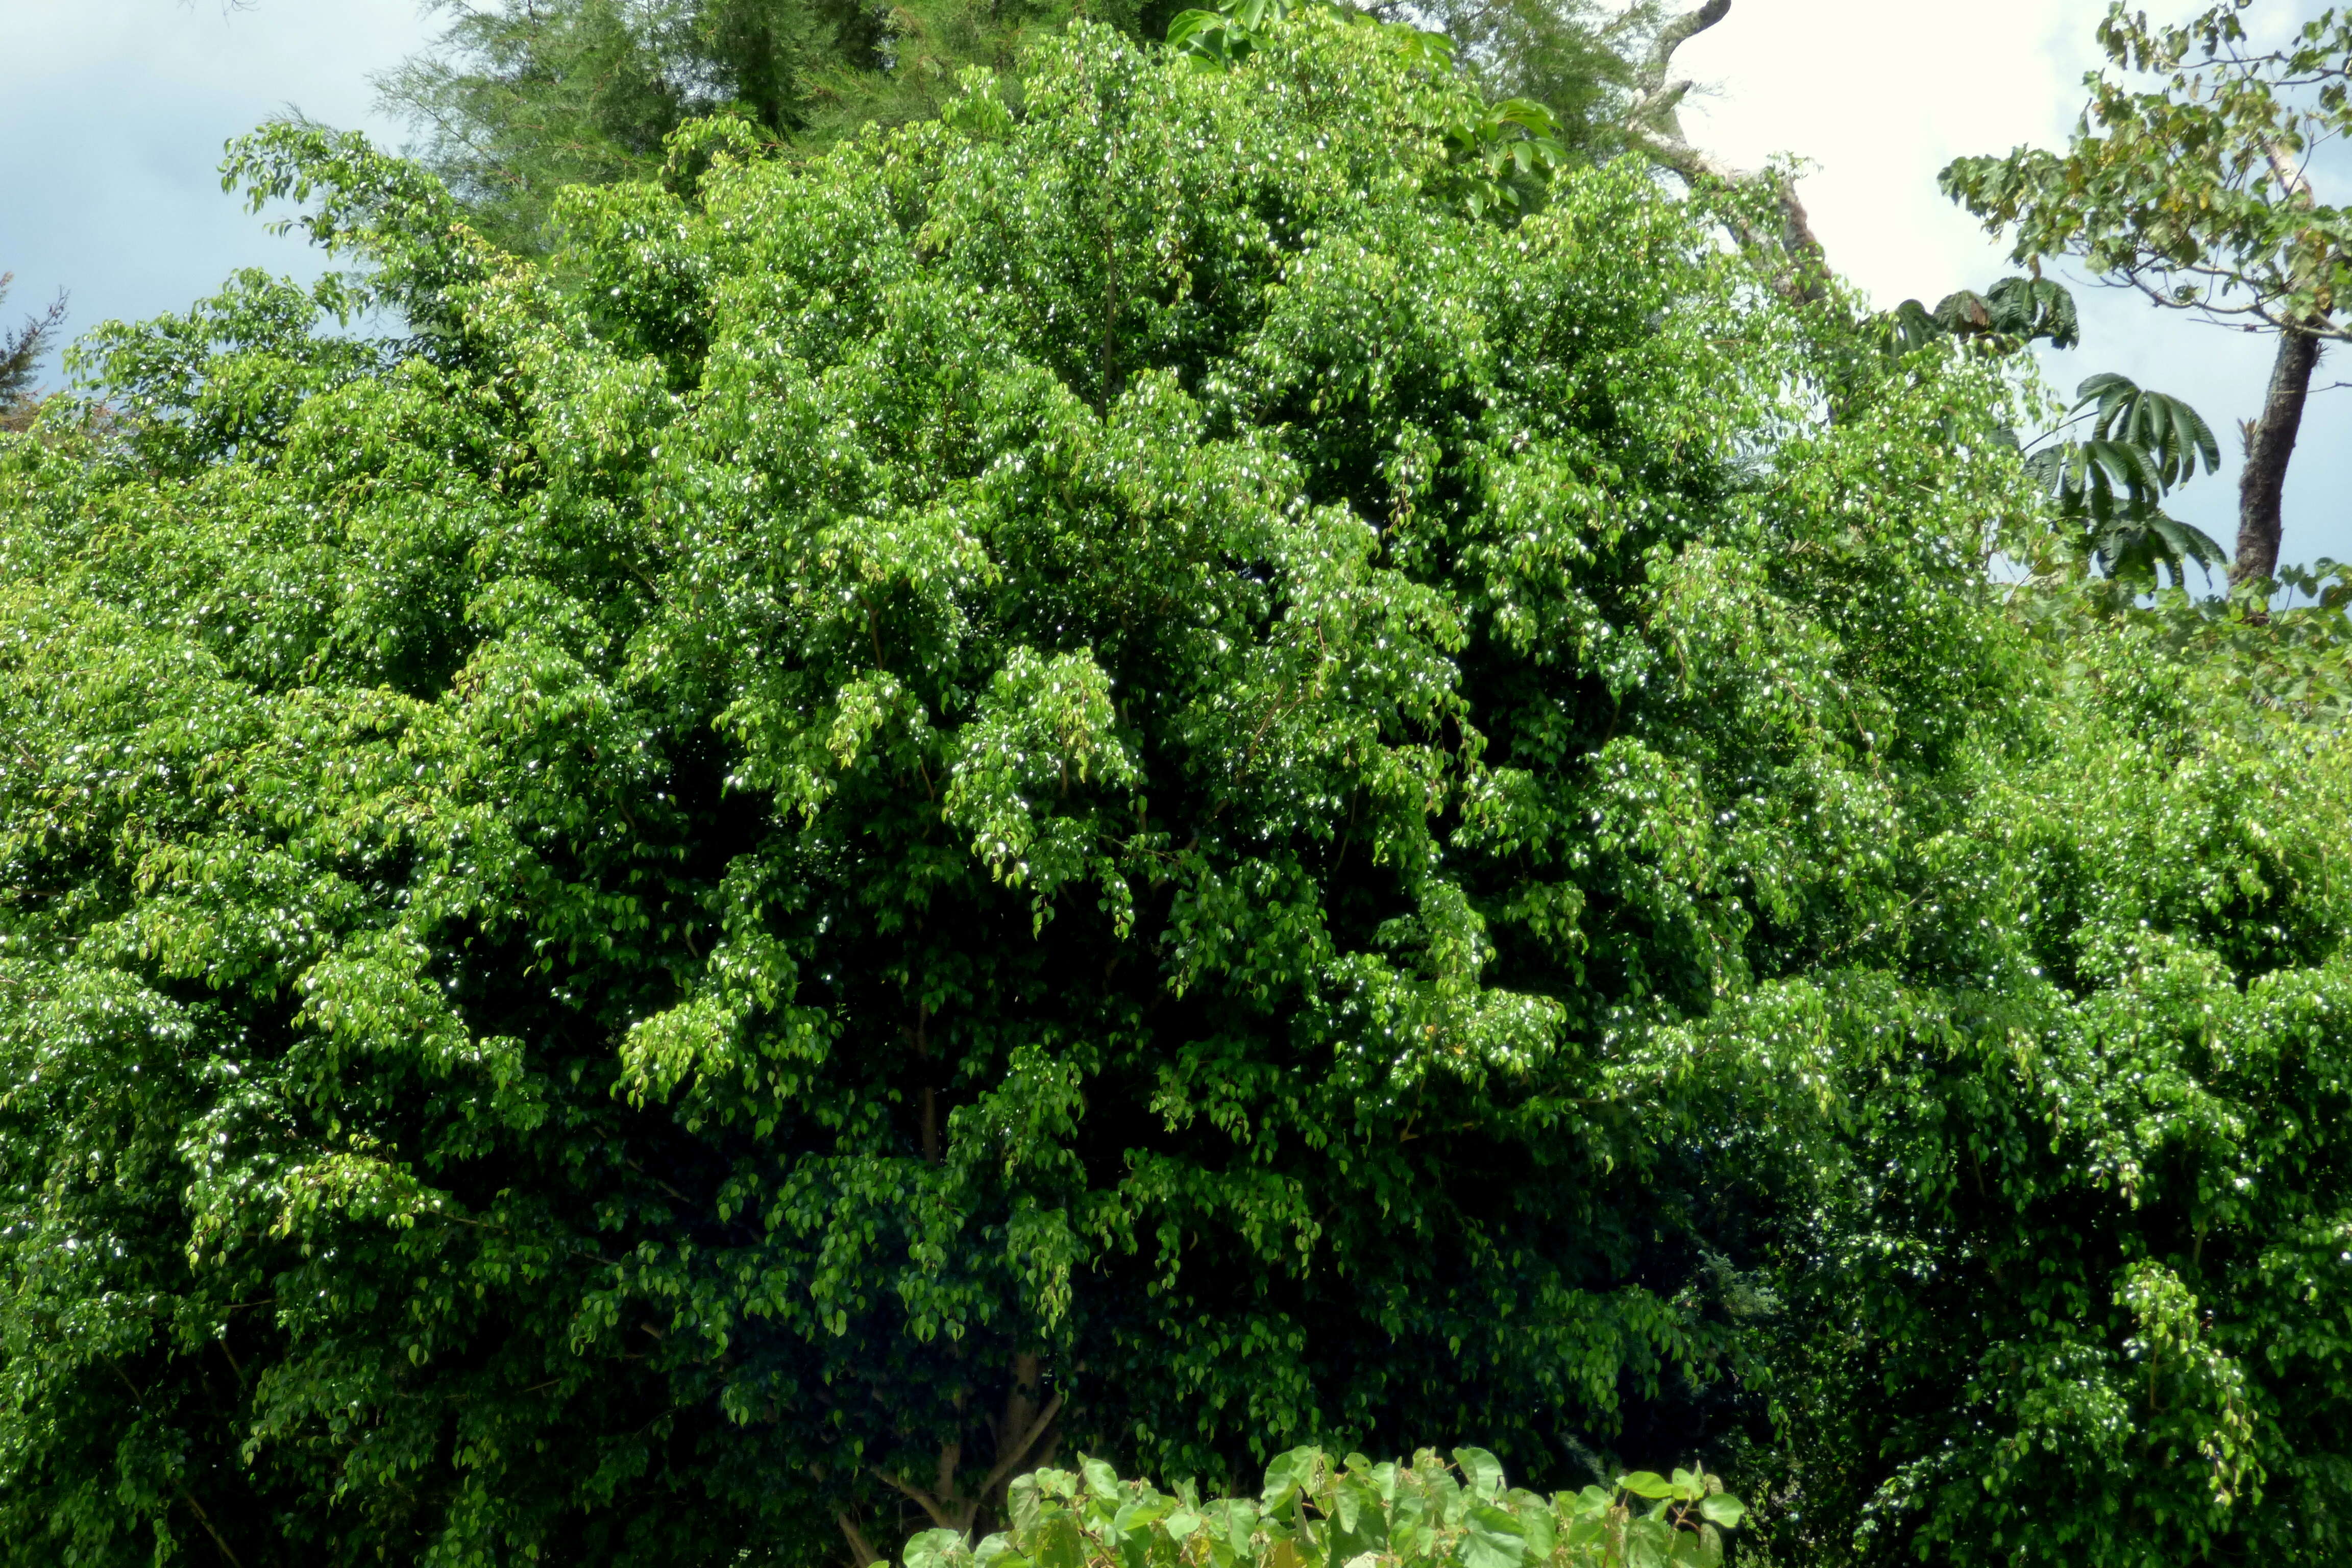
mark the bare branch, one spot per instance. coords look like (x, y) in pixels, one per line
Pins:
(1673, 35)
(923, 1500)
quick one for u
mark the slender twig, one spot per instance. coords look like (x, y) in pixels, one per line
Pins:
(206, 1520)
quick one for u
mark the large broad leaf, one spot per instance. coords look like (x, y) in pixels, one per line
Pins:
(1494, 1539)
(1723, 1509)
(1287, 1476)
(1481, 1471)
(931, 1548)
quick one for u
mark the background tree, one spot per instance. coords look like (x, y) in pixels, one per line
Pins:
(2197, 193)
(1573, 57)
(21, 353)
(521, 98)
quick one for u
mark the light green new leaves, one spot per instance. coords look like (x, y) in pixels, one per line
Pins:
(1045, 725)
(1316, 1509)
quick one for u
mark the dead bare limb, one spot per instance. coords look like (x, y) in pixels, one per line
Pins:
(1792, 257)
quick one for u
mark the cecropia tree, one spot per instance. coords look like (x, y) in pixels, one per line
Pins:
(2198, 194)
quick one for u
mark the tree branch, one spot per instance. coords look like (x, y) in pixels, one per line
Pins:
(1792, 257)
(1020, 1450)
(206, 1520)
(860, 1548)
(923, 1500)
(1651, 78)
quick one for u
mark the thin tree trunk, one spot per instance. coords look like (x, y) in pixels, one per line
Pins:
(2269, 444)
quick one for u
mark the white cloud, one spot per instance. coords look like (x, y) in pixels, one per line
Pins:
(113, 114)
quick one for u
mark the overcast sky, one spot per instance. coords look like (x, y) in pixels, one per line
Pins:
(113, 112)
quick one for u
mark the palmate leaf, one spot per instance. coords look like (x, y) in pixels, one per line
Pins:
(2174, 436)
(2141, 445)
(2134, 547)
(2099, 479)
(2002, 319)
(2030, 308)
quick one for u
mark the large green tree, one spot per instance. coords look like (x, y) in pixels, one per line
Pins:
(1039, 785)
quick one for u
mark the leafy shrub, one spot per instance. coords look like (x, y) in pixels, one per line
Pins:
(1316, 1509)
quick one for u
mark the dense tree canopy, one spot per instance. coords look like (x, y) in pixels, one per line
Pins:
(520, 98)
(1106, 776)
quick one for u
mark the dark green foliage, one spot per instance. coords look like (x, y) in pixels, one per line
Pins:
(1571, 56)
(1503, 155)
(2110, 482)
(2006, 317)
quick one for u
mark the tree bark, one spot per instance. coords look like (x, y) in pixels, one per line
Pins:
(2270, 445)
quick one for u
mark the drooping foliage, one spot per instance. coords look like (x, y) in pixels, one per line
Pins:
(1116, 774)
